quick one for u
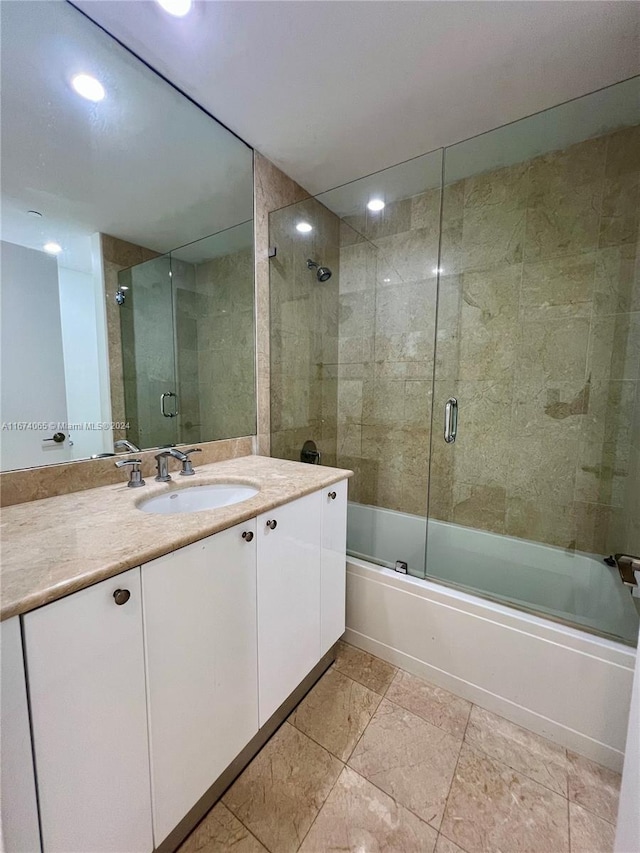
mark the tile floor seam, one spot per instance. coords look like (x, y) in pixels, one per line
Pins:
(252, 834)
(397, 802)
(362, 684)
(516, 769)
(453, 777)
(321, 807)
(591, 812)
(431, 723)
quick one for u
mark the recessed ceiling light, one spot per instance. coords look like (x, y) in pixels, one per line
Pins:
(437, 270)
(375, 204)
(52, 248)
(386, 280)
(304, 227)
(177, 8)
(34, 213)
(88, 87)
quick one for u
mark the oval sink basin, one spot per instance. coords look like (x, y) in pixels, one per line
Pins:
(198, 498)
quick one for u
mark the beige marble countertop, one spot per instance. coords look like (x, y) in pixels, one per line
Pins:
(58, 545)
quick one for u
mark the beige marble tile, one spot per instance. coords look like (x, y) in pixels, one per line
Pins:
(528, 753)
(488, 318)
(281, 792)
(550, 474)
(443, 845)
(616, 286)
(484, 412)
(552, 351)
(589, 834)
(594, 787)
(623, 152)
(357, 816)
(614, 347)
(493, 808)
(374, 673)
(336, 712)
(219, 832)
(541, 521)
(620, 210)
(559, 287)
(433, 704)
(410, 759)
(479, 506)
(492, 235)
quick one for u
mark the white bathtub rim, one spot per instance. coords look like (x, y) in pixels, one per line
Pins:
(603, 648)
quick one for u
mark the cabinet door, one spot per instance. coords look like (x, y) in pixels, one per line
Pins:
(20, 833)
(288, 598)
(200, 636)
(87, 689)
(334, 564)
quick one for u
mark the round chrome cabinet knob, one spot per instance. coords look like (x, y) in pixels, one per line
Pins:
(247, 536)
(121, 596)
(272, 524)
(333, 496)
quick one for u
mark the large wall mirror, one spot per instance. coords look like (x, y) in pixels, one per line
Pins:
(126, 256)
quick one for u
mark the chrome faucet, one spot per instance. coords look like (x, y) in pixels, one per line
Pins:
(128, 445)
(163, 475)
(135, 475)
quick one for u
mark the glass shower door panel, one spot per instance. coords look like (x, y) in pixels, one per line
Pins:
(537, 343)
(148, 354)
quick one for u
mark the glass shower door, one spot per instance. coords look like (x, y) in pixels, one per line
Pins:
(536, 365)
(148, 353)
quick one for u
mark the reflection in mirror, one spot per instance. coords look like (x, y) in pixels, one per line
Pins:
(187, 330)
(96, 195)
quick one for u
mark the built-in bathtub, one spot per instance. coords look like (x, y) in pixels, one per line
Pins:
(547, 660)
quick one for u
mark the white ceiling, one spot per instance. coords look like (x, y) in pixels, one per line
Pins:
(144, 164)
(332, 91)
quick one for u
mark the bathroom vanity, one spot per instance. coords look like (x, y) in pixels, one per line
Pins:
(150, 686)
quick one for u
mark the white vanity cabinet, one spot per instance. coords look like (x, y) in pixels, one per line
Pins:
(333, 560)
(148, 690)
(85, 662)
(289, 560)
(20, 833)
(202, 666)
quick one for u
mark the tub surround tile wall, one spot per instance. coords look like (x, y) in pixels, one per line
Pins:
(32, 484)
(547, 347)
(272, 190)
(485, 786)
(538, 338)
(304, 313)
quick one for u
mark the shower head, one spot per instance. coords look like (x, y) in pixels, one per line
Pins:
(322, 273)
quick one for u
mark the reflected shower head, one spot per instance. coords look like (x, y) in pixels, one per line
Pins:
(322, 273)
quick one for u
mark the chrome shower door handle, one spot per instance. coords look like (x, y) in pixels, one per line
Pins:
(163, 411)
(450, 420)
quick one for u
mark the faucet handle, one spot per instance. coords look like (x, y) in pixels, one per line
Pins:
(187, 465)
(135, 475)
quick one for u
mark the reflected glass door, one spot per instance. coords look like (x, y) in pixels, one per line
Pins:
(537, 343)
(147, 327)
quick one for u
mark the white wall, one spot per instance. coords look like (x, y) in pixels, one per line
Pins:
(78, 319)
(33, 382)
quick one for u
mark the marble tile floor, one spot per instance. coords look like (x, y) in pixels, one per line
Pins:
(375, 760)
